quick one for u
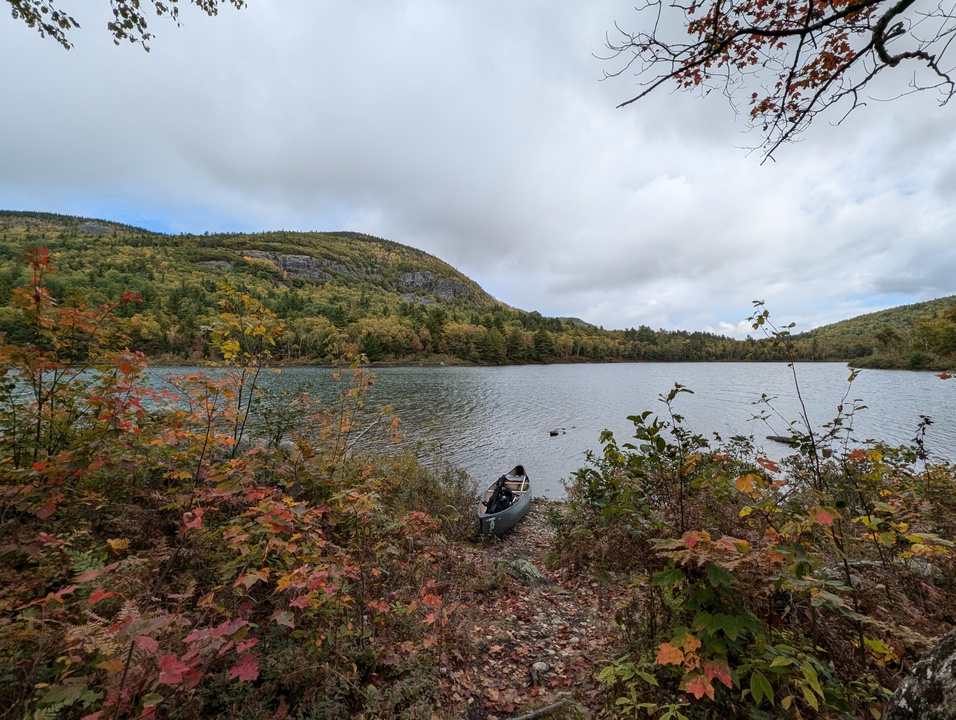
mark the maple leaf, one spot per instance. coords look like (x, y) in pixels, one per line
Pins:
(117, 544)
(247, 644)
(698, 686)
(171, 670)
(690, 643)
(193, 519)
(246, 668)
(668, 654)
(720, 671)
(746, 483)
(147, 643)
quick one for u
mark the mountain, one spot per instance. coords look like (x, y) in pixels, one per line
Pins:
(340, 294)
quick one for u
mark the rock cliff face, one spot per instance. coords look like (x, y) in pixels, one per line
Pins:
(929, 693)
(92, 228)
(441, 288)
(304, 266)
(300, 266)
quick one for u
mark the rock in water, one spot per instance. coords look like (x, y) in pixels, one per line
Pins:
(929, 692)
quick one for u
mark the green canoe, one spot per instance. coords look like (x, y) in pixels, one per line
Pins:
(505, 502)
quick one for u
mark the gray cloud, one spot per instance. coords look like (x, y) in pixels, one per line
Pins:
(481, 134)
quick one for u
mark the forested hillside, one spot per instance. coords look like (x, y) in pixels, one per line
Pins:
(919, 336)
(340, 294)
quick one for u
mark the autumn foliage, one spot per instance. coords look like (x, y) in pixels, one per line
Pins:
(760, 588)
(787, 60)
(159, 559)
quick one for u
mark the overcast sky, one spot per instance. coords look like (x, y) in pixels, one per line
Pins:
(480, 132)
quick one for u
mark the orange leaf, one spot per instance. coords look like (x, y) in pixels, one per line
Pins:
(690, 643)
(823, 517)
(768, 464)
(669, 655)
(746, 483)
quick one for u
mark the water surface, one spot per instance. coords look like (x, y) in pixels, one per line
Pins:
(487, 419)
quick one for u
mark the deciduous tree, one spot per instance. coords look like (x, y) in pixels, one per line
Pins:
(130, 17)
(788, 60)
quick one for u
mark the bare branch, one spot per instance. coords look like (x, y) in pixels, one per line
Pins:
(807, 55)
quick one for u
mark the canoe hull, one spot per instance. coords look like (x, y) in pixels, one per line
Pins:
(499, 523)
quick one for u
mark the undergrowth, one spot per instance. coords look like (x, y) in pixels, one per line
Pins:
(158, 561)
(759, 589)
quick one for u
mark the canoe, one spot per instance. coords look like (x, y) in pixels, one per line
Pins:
(505, 502)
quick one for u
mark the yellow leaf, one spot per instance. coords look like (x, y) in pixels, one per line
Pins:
(117, 544)
(746, 483)
(111, 665)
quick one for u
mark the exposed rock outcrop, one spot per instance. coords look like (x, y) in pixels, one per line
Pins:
(92, 228)
(929, 692)
(442, 288)
(299, 266)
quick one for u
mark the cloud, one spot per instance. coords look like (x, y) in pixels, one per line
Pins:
(482, 134)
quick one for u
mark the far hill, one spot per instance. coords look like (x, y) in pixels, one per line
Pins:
(918, 336)
(340, 294)
(865, 327)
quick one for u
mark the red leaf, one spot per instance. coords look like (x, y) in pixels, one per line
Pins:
(93, 574)
(58, 595)
(698, 686)
(100, 595)
(171, 670)
(247, 668)
(823, 517)
(243, 646)
(147, 643)
(719, 671)
(193, 519)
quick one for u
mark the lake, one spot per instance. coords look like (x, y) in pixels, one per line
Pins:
(487, 419)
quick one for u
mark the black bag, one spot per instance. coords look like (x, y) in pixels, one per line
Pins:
(502, 498)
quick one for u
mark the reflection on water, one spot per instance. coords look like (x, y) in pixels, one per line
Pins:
(488, 419)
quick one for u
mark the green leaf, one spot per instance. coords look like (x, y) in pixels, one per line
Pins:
(761, 688)
(673, 576)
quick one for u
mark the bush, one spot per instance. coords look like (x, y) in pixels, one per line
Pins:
(757, 589)
(159, 564)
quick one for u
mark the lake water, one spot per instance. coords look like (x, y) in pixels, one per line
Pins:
(487, 419)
